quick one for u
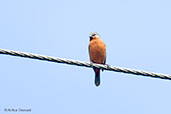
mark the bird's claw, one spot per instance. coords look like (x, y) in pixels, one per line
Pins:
(108, 66)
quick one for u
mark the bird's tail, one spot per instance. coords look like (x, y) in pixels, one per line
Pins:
(97, 77)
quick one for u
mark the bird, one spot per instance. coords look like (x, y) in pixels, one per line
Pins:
(97, 54)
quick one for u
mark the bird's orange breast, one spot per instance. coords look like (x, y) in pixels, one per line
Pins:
(97, 51)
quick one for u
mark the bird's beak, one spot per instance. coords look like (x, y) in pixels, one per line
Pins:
(91, 37)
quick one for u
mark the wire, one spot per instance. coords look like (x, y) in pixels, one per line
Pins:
(84, 64)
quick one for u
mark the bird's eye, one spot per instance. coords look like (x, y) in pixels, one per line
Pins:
(93, 34)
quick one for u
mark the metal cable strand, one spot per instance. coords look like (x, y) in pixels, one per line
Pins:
(84, 64)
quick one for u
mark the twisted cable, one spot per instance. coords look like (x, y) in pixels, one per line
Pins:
(84, 64)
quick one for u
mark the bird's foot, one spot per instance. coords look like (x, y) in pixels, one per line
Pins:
(108, 66)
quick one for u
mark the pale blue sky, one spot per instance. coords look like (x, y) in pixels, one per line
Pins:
(136, 33)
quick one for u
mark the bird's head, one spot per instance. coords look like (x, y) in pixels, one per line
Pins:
(94, 35)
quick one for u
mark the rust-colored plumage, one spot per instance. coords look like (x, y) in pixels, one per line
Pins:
(97, 52)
